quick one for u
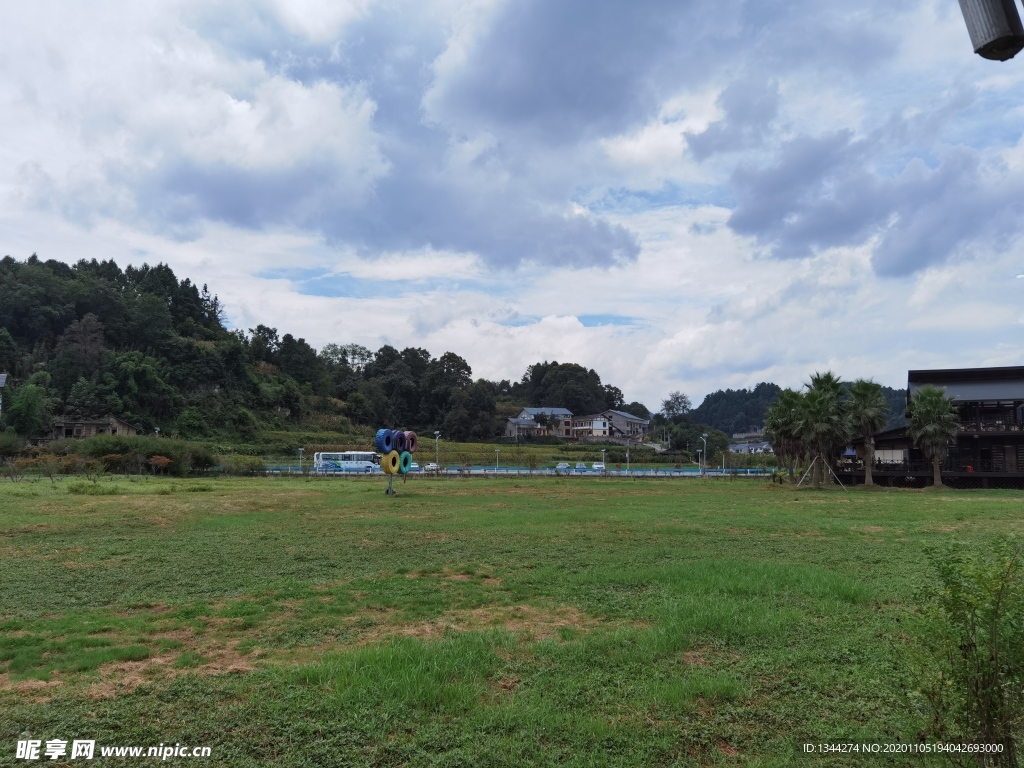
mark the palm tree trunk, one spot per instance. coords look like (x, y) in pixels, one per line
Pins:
(869, 444)
(816, 472)
(938, 472)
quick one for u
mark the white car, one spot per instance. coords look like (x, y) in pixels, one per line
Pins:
(431, 467)
(598, 465)
(580, 465)
(562, 466)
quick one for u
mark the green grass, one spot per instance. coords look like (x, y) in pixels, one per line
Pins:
(302, 621)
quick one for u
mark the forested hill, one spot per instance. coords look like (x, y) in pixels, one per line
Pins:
(737, 410)
(897, 401)
(91, 340)
(743, 410)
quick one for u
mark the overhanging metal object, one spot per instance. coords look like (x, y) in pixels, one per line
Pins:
(995, 28)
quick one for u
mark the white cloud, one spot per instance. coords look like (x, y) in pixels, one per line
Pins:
(119, 117)
(319, 20)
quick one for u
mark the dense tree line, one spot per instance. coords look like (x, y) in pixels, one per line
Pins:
(90, 340)
(742, 410)
(737, 410)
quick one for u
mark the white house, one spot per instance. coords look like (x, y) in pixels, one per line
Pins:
(590, 426)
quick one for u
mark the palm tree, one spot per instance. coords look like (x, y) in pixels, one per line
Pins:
(823, 424)
(933, 425)
(780, 426)
(868, 413)
(826, 382)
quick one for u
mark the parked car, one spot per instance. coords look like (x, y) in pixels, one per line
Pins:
(431, 467)
(580, 465)
(598, 465)
(414, 467)
(562, 466)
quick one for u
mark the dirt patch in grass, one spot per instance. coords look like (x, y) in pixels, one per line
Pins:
(32, 688)
(727, 749)
(695, 659)
(126, 676)
(537, 623)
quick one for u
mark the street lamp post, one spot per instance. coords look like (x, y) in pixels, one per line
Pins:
(704, 456)
(700, 463)
(301, 451)
(496, 452)
(604, 467)
(437, 460)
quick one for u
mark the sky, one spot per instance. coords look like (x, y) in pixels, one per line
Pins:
(684, 195)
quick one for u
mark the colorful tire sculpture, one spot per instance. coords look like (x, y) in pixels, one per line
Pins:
(391, 463)
(384, 441)
(404, 463)
(396, 447)
(398, 440)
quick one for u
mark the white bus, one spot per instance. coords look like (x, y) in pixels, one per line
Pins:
(347, 461)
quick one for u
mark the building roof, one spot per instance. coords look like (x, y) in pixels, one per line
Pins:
(756, 447)
(971, 384)
(3, 379)
(93, 420)
(629, 416)
(547, 411)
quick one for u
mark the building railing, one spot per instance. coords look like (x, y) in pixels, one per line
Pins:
(968, 466)
(1008, 424)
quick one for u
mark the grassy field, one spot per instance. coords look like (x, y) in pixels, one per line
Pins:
(506, 622)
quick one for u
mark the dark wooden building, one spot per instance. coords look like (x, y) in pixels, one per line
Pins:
(989, 450)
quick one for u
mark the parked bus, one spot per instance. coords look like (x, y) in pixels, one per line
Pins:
(347, 461)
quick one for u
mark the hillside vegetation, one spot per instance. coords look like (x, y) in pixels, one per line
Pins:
(91, 339)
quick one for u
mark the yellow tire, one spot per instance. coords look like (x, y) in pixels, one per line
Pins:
(390, 462)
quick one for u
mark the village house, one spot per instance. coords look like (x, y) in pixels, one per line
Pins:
(519, 427)
(588, 427)
(64, 428)
(625, 425)
(550, 421)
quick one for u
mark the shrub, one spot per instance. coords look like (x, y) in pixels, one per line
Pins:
(159, 463)
(972, 635)
(10, 443)
(243, 465)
